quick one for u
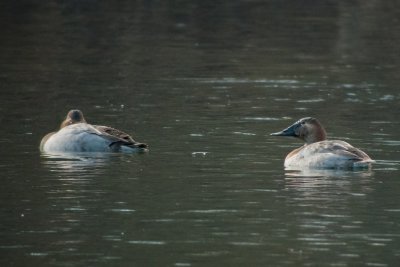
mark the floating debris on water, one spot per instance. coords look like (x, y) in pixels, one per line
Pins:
(199, 153)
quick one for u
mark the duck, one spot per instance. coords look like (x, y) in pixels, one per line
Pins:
(76, 135)
(318, 152)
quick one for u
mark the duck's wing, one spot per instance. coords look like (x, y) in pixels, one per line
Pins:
(117, 137)
(344, 149)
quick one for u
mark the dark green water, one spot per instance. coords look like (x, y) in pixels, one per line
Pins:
(203, 83)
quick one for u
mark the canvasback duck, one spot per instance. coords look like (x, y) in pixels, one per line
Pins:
(76, 135)
(319, 153)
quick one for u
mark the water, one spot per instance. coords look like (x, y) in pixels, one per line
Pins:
(203, 83)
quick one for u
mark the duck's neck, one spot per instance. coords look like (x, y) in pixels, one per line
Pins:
(317, 135)
(68, 121)
(65, 123)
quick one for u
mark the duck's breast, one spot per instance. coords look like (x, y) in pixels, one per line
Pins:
(76, 138)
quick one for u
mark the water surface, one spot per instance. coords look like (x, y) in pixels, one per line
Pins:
(203, 83)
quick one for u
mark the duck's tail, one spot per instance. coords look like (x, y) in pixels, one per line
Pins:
(129, 147)
(363, 164)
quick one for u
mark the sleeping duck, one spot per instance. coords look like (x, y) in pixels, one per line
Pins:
(76, 135)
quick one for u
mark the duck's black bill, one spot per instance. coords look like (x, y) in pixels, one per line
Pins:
(279, 134)
(287, 132)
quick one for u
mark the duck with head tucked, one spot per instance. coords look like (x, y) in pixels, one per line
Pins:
(76, 135)
(319, 153)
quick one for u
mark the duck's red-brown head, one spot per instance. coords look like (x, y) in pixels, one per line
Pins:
(73, 116)
(307, 129)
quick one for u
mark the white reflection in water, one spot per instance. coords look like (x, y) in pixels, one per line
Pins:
(72, 185)
(147, 242)
(75, 163)
(314, 100)
(240, 81)
(322, 199)
(315, 185)
(262, 118)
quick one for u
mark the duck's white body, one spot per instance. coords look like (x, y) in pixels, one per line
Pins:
(79, 136)
(329, 154)
(319, 153)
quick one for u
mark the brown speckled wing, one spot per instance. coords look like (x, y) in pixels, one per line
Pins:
(115, 133)
(118, 136)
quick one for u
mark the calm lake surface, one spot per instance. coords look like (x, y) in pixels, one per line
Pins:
(203, 83)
